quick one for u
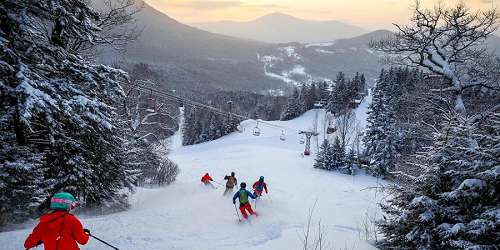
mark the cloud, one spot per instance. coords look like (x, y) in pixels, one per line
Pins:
(204, 5)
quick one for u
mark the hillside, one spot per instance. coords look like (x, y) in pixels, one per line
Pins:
(282, 28)
(194, 58)
(296, 63)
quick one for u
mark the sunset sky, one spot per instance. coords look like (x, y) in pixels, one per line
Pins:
(370, 14)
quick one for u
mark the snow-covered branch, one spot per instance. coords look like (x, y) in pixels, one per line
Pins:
(445, 41)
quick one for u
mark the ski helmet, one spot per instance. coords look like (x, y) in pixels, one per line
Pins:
(63, 201)
(243, 185)
(261, 178)
(232, 174)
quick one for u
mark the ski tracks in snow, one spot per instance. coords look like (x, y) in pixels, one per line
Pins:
(188, 215)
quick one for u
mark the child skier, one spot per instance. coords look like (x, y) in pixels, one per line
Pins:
(231, 182)
(259, 186)
(59, 229)
(243, 195)
(206, 179)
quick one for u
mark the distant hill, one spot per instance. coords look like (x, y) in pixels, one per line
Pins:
(296, 63)
(282, 28)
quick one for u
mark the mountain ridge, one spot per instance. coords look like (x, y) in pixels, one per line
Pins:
(278, 27)
(191, 58)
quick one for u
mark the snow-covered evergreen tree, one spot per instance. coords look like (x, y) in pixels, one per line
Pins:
(323, 159)
(295, 106)
(310, 96)
(202, 126)
(189, 129)
(455, 203)
(323, 91)
(21, 179)
(338, 102)
(56, 112)
(351, 161)
(381, 136)
(337, 152)
(331, 156)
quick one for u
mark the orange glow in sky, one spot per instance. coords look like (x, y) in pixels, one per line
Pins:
(370, 14)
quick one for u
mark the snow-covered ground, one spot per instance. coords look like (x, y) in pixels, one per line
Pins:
(187, 215)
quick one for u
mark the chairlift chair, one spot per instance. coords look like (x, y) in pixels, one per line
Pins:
(283, 137)
(256, 130)
(320, 104)
(331, 130)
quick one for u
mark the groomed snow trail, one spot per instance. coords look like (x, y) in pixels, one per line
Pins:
(187, 215)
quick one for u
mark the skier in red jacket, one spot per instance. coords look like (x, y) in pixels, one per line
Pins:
(59, 230)
(206, 179)
(259, 186)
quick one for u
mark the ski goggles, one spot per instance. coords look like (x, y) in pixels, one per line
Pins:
(72, 204)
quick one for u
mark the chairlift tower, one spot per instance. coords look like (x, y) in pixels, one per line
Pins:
(308, 134)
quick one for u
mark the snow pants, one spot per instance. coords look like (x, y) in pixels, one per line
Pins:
(244, 208)
(228, 191)
(258, 193)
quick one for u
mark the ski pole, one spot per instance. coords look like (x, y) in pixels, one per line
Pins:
(104, 242)
(237, 214)
(269, 197)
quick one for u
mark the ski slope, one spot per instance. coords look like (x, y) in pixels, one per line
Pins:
(187, 215)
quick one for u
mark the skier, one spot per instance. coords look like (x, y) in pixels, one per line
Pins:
(243, 195)
(259, 186)
(231, 182)
(206, 179)
(59, 229)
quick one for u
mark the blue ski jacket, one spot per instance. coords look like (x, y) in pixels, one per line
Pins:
(237, 195)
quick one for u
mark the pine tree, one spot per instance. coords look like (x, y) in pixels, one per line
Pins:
(331, 157)
(310, 96)
(342, 94)
(323, 159)
(362, 82)
(323, 92)
(382, 135)
(351, 160)
(56, 114)
(454, 204)
(294, 108)
(21, 176)
(214, 128)
(337, 153)
(189, 129)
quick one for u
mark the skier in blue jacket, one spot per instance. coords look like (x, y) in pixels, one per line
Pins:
(243, 195)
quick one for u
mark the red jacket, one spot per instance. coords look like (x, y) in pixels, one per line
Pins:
(256, 187)
(58, 224)
(206, 178)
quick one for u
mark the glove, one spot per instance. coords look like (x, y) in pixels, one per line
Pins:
(86, 231)
(39, 243)
(234, 202)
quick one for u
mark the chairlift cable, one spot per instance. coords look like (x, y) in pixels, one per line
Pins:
(209, 108)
